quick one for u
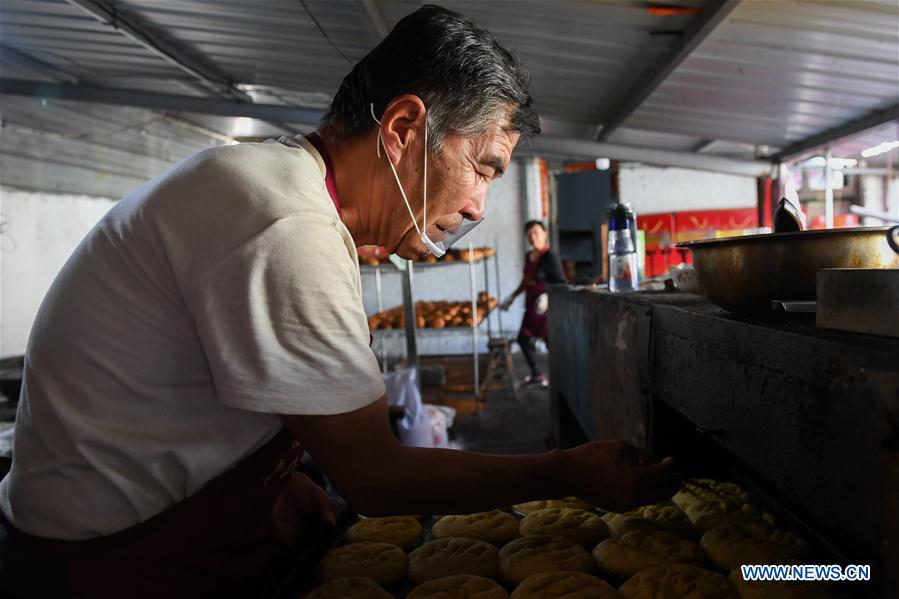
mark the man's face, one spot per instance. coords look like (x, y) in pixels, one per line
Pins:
(457, 184)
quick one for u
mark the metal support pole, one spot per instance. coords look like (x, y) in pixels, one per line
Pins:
(888, 176)
(474, 319)
(409, 311)
(828, 190)
(487, 289)
(383, 340)
(499, 290)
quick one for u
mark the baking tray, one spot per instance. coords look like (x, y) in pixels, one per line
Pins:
(302, 574)
(302, 571)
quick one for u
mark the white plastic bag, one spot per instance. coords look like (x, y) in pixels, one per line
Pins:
(402, 392)
(440, 419)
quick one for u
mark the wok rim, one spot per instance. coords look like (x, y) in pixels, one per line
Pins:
(773, 237)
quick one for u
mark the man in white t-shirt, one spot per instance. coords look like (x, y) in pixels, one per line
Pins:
(210, 329)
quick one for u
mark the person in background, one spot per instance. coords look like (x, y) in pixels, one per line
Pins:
(541, 268)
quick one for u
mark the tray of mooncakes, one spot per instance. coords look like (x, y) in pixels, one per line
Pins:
(691, 545)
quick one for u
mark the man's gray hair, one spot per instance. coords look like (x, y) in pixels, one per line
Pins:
(465, 78)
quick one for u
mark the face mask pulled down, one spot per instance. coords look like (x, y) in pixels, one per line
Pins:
(443, 239)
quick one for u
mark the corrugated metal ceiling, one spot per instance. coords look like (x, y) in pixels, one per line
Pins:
(62, 35)
(270, 43)
(852, 147)
(580, 55)
(777, 72)
(772, 73)
(91, 148)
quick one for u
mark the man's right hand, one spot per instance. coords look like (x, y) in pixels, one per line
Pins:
(619, 477)
(379, 477)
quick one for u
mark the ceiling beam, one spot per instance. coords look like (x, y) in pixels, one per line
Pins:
(35, 65)
(699, 28)
(154, 101)
(564, 147)
(206, 76)
(704, 146)
(815, 142)
(377, 19)
(60, 76)
(543, 145)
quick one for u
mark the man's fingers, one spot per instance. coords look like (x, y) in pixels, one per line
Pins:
(315, 502)
(663, 471)
(633, 455)
(323, 506)
(284, 521)
(300, 504)
(661, 479)
(641, 456)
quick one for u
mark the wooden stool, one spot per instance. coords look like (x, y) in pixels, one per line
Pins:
(500, 371)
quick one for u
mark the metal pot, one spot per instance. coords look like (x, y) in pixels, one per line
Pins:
(744, 274)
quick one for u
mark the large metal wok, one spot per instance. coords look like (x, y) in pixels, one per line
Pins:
(744, 274)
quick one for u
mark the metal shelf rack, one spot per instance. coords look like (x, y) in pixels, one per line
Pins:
(411, 332)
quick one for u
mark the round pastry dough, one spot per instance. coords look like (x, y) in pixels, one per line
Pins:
(640, 549)
(402, 531)
(349, 588)
(567, 585)
(784, 589)
(582, 527)
(662, 516)
(542, 504)
(495, 527)
(677, 581)
(541, 553)
(452, 555)
(382, 562)
(459, 586)
(718, 502)
(752, 541)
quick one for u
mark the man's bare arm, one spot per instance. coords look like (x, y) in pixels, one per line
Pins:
(378, 476)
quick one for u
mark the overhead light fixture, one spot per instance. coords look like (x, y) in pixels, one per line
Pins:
(837, 163)
(603, 164)
(881, 148)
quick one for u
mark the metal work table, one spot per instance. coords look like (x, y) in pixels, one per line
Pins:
(812, 414)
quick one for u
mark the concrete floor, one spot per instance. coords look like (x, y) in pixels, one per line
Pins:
(507, 425)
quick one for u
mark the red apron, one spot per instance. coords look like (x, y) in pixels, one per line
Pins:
(218, 541)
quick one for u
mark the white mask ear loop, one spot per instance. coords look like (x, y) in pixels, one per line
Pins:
(378, 144)
(424, 195)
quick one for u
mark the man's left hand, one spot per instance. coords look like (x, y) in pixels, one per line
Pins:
(301, 505)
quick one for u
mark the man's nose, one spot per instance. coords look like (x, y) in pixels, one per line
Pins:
(474, 208)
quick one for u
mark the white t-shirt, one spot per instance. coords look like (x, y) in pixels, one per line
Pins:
(209, 299)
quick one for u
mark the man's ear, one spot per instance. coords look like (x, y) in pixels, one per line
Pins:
(402, 123)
